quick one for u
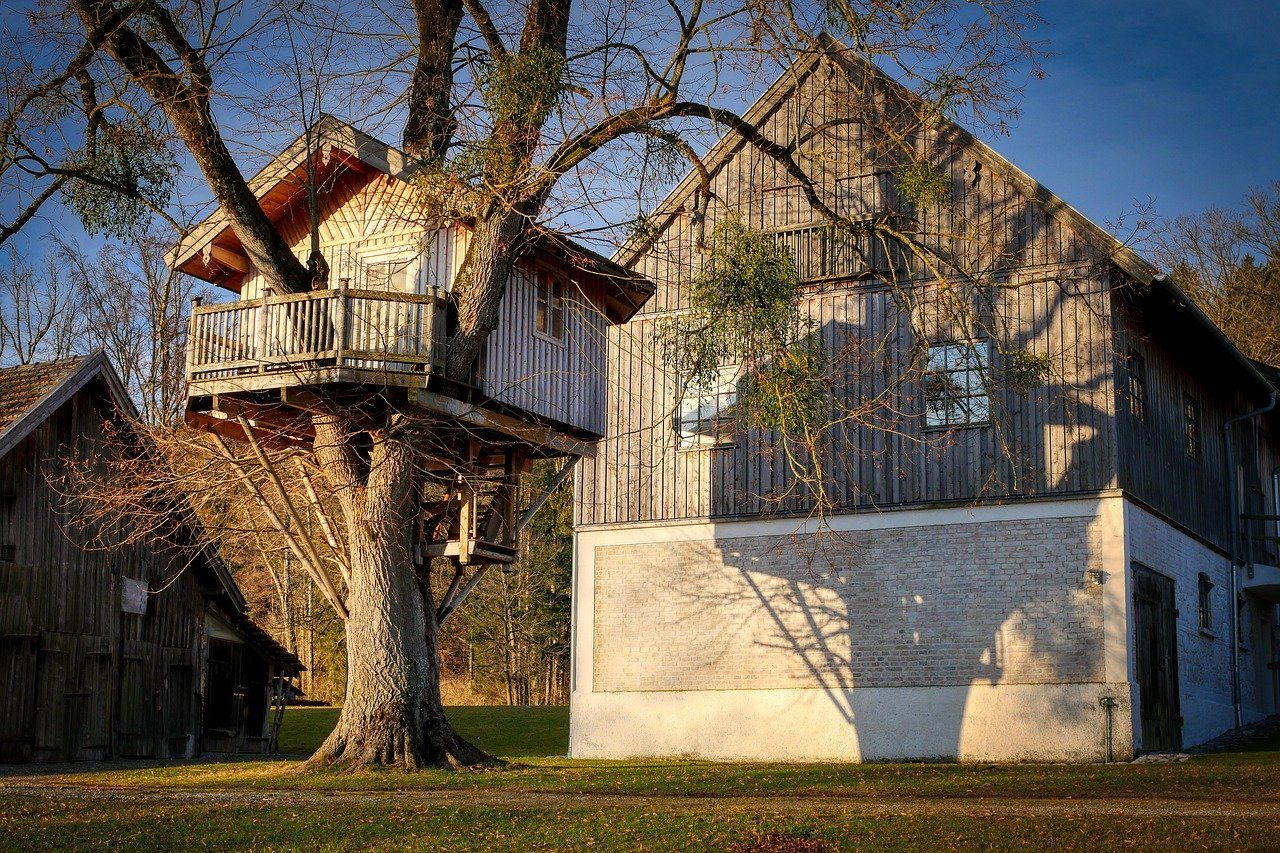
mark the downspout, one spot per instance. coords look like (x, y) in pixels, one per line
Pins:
(1234, 525)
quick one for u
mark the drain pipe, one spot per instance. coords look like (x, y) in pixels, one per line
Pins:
(1233, 508)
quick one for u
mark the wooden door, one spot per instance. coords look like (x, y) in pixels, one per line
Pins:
(1155, 642)
(19, 684)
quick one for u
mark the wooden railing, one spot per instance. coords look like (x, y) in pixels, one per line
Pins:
(369, 329)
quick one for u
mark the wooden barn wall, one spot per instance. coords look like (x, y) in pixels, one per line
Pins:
(1049, 296)
(81, 679)
(1154, 465)
(562, 380)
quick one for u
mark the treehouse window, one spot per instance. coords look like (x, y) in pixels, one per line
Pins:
(956, 385)
(1135, 368)
(706, 417)
(388, 275)
(549, 309)
(1191, 425)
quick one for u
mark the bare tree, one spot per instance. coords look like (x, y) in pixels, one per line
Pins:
(134, 307)
(1229, 262)
(40, 316)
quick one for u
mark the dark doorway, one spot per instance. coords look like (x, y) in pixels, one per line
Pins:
(1155, 617)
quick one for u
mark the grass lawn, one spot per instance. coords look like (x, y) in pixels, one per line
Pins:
(509, 732)
(1226, 801)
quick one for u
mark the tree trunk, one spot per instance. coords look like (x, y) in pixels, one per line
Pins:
(392, 715)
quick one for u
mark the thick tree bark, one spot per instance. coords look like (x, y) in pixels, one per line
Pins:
(480, 284)
(393, 715)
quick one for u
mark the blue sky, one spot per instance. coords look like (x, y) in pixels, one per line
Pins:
(1169, 102)
(1172, 100)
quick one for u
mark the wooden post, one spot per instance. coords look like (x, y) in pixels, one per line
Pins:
(466, 520)
(340, 334)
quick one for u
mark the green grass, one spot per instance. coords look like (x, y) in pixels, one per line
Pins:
(31, 825)
(509, 732)
(688, 804)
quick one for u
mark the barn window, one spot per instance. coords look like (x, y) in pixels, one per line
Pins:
(1206, 603)
(549, 310)
(706, 416)
(956, 385)
(1135, 391)
(1191, 425)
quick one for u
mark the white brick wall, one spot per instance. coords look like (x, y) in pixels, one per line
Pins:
(944, 633)
(1204, 659)
(1002, 602)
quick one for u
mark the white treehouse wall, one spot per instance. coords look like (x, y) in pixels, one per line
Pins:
(368, 219)
(561, 380)
(373, 218)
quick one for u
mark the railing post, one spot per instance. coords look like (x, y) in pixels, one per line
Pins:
(340, 335)
(264, 317)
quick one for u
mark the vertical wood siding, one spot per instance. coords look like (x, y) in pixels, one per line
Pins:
(367, 218)
(1049, 291)
(81, 679)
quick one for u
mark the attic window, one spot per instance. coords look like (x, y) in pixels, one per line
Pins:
(387, 275)
(549, 307)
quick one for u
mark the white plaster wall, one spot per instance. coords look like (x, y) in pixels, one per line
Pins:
(1204, 658)
(978, 720)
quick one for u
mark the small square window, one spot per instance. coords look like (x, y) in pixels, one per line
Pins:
(956, 385)
(706, 417)
(549, 306)
(1206, 603)
(1136, 384)
(388, 275)
(1191, 425)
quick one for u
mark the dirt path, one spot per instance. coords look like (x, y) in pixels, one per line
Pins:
(844, 804)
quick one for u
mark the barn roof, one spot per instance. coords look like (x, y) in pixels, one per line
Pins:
(837, 53)
(31, 393)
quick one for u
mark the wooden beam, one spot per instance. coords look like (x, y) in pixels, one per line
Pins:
(228, 258)
(482, 418)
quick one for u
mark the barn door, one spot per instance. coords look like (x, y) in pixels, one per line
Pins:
(1155, 644)
(19, 682)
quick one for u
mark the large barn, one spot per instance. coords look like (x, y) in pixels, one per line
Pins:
(126, 652)
(1090, 575)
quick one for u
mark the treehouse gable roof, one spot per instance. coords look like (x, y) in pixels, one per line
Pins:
(212, 251)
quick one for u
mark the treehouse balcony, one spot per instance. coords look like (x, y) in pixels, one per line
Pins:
(367, 337)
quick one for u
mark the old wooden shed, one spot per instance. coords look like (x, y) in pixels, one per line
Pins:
(121, 652)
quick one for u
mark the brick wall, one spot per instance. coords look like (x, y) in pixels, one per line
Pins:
(1003, 602)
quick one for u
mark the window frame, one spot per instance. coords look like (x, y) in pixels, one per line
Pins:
(721, 430)
(549, 306)
(1204, 603)
(402, 260)
(1136, 390)
(981, 347)
(1192, 421)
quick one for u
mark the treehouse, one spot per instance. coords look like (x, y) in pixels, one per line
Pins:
(374, 333)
